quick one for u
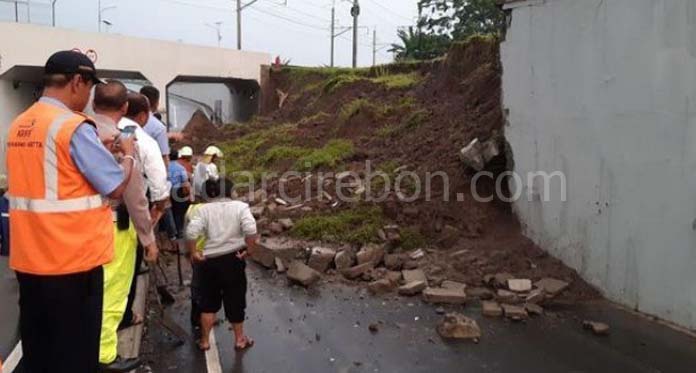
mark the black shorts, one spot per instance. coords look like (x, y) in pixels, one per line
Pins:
(223, 281)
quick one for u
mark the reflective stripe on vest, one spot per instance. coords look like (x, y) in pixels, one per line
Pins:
(51, 203)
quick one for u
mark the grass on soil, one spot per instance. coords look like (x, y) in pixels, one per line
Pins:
(357, 226)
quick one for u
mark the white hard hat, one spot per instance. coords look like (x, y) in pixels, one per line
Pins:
(213, 150)
(186, 151)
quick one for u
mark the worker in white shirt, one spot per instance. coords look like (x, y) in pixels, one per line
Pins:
(156, 180)
(206, 169)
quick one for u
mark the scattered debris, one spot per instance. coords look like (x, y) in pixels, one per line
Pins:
(458, 326)
(480, 293)
(380, 287)
(536, 296)
(414, 275)
(447, 284)
(598, 328)
(491, 309)
(321, 258)
(374, 328)
(344, 259)
(417, 254)
(515, 313)
(370, 253)
(412, 288)
(302, 274)
(506, 296)
(552, 286)
(393, 262)
(534, 309)
(286, 223)
(448, 296)
(281, 201)
(280, 266)
(519, 285)
(357, 271)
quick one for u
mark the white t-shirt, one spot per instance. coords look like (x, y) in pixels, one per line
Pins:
(224, 223)
(203, 172)
(152, 163)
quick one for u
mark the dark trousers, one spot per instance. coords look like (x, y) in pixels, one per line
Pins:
(222, 280)
(60, 321)
(128, 315)
(179, 209)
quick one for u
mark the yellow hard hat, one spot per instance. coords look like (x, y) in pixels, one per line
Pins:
(213, 150)
(186, 151)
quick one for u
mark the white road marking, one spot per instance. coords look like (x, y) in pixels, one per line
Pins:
(212, 357)
(13, 360)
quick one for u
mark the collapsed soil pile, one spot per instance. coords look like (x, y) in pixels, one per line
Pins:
(405, 118)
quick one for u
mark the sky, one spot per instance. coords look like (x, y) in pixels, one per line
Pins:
(298, 30)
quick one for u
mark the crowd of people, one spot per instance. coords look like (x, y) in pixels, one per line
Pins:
(84, 198)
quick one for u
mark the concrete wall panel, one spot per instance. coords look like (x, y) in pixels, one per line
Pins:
(605, 91)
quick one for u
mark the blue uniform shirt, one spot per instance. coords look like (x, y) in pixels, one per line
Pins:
(91, 157)
(177, 174)
(158, 131)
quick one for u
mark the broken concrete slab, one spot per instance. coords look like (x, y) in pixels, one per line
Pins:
(371, 253)
(393, 276)
(534, 309)
(280, 266)
(393, 262)
(412, 288)
(446, 296)
(458, 326)
(454, 285)
(300, 273)
(414, 275)
(266, 252)
(552, 286)
(480, 293)
(321, 258)
(491, 309)
(498, 280)
(519, 285)
(514, 312)
(354, 272)
(416, 254)
(506, 296)
(344, 259)
(471, 156)
(598, 328)
(536, 296)
(380, 287)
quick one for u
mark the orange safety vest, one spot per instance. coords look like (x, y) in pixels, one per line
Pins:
(60, 224)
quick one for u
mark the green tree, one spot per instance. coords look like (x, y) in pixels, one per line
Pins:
(416, 45)
(460, 19)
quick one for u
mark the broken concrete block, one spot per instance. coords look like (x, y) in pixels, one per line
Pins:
(371, 253)
(447, 284)
(598, 328)
(344, 259)
(281, 201)
(382, 286)
(489, 150)
(393, 276)
(266, 252)
(414, 275)
(491, 309)
(393, 262)
(302, 274)
(534, 309)
(412, 288)
(354, 272)
(505, 296)
(513, 312)
(280, 266)
(552, 286)
(480, 293)
(321, 258)
(276, 228)
(519, 285)
(286, 223)
(471, 156)
(458, 326)
(458, 254)
(416, 254)
(448, 296)
(536, 296)
(499, 280)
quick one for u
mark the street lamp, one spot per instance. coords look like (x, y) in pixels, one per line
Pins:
(216, 26)
(102, 10)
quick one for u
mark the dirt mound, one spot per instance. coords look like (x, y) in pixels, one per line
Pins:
(415, 118)
(200, 132)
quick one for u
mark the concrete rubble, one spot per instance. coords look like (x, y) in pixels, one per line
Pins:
(380, 287)
(321, 258)
(552, 286)
(491, 309)
(515, 313)
(519, 285)
(444, 296)
(344, 259)
(458, 326)
(477, 154)
(412, 288)
(300, 273)
(598, 328)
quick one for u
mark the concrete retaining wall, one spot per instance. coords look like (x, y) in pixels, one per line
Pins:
(605, 91)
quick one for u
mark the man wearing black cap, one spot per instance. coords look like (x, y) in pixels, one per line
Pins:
(62, 232)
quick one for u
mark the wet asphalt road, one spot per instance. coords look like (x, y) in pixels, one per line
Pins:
(326, 330)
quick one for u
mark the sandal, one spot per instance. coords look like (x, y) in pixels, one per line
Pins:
(248, 343)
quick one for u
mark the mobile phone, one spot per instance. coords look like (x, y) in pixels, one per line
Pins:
(128, 131)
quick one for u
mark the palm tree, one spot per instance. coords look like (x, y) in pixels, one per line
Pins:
(416, 45)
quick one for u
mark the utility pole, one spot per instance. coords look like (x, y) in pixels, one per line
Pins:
(53, 12)
(239, 24)
(355, 12)
(374, 46)
(16, 12)
(333, 31)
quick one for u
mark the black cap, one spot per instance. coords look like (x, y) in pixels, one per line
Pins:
(71, 62)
